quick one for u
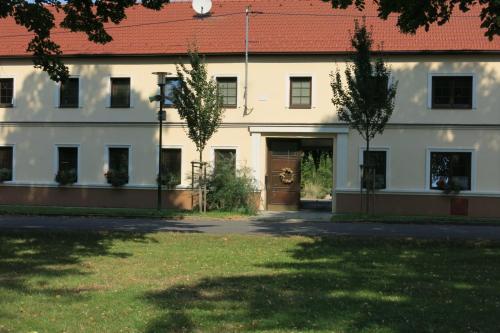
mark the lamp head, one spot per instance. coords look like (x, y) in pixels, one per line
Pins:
(161, 77)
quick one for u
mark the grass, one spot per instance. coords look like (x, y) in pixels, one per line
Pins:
(423, 219)
(114, 212)
(175, 282)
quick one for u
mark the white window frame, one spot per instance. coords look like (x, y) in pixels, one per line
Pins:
(56, 160)
(238, 104)
(13, 77)
(13, 146)
(183, 169)
(437, 74)
(473, 165)
(57, 93)
(212, 153)
(119, 76)
(288, 77)
(106, 161)
(387, 150)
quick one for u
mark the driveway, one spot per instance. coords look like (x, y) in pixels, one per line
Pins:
(284, 227)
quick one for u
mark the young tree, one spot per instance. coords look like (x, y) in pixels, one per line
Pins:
(198, 101)
(366, 102)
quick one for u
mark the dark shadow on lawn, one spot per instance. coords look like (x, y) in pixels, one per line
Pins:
(47, 255)
(347, 285)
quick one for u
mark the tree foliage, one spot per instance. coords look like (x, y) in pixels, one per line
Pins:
(367, 101)
(87, 16)
(198, 101)
(413, 14)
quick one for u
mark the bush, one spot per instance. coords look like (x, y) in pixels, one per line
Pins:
(66, 177)
(117, 178)
(169, 181)
(5, 174)
(316, 176)
(231, 190)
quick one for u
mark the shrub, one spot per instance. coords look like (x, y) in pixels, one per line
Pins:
(316, 176)
(230, 189)
(117, 178)
(66, 177)
(5, 174)
(170, 181)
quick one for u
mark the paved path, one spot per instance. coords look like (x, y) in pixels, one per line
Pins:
(254, 226)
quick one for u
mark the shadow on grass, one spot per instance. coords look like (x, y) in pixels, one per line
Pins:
(347, 285)
(44, 256)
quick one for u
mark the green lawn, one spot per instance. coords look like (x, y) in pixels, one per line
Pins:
(113, 212)
(178, 282)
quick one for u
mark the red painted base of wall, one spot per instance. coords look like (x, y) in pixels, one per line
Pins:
(438, 205)
(93, 197)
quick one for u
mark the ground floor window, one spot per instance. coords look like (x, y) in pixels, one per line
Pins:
(450, 170)
(171, 159)
(6, 163)
(118, 167)
(225, 158)
(375, 168)
(67, 167)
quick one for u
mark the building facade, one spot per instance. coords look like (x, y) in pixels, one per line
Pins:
(445, 127)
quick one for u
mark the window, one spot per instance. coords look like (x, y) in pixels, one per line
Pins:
(450, 169)
(6, 93)
(171, 84)
(452, 92)
(300, 92)
(375, 161)
(228, 90)
(68, 162)
(120, 92)
(118, 166)
(6, 163)
(171, 167)
(225, 158)
(69, 93)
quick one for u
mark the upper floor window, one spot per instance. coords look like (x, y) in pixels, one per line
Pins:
(228, 90)
(450, 170)
(375, 162)
(6, 163)
(7, 93)
(120, 92)
(452, 92)
(171, 166)
(69, 93)
(171, 84)
(300, 92)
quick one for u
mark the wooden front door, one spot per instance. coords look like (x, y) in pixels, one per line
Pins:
(283, 174)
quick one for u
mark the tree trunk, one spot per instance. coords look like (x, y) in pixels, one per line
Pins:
(200, 194)
(366, 175)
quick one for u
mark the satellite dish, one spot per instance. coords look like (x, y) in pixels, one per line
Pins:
(202, 7)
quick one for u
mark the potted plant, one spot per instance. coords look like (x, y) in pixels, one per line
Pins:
(117, 178)
(449, 187)
(5, 175)
(169, 181)
(66, 177)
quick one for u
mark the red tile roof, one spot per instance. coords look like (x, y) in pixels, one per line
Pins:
(280, 26)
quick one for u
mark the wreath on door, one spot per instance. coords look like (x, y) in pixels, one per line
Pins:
(286, 176)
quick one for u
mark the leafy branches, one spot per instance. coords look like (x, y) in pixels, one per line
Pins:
(87, 16)
(367, 102)
(416, 14)
(198, 101)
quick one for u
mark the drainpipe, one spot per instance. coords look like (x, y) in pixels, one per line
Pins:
(247, 23)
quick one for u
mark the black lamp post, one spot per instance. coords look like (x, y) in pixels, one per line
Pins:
(161, 118)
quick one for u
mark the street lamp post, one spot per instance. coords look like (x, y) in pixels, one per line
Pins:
(161, 118)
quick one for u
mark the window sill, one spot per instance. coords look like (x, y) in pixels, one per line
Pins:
(119, 107)
(6, 106)
(300, 107)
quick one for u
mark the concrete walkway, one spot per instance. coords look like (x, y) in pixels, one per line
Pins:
(262, 225)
